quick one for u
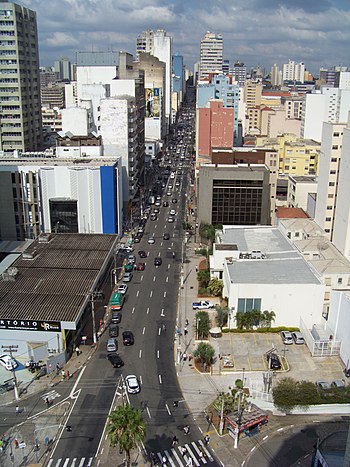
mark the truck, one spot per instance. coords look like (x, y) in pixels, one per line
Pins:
(202, 305)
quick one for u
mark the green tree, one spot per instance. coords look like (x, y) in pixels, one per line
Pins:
(202, 324)
(203, 277)
(215, 286)
(205, 352)
(285, 394)
(221, 315)
(307, 394)
(242, 320)
(267, 317)
(208, 231)
(126, 428)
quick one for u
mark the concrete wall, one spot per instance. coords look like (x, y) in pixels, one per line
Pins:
(75, 120)
(339, 322)
(7, 212)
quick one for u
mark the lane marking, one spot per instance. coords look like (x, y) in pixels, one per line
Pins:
(137, 293)
(167, 408)
(147, 309)
(151, 293)
(167, 279)
(280, 429)
(168, 266)
(159, 331)
(143, 330)
(140, 353)
(164, 295)
(265, 437)
(141, 278)
(160, 379)
(253, 449)
(133, 309)
(140, 379)
(162, 312)
(148, 412)
(157, 353)
(154, 278)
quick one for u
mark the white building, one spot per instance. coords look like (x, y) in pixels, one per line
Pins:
(338, 324)
(262, 270)
(276, 75)
(299, 187)
(341, 226)
(328, 105)
(159, 44)
(328, 173)
(211, 54)
(293, 71)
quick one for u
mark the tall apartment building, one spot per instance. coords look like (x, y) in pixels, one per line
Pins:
(159, 44)
(179, 78)
(293, 71)
(212, 46)
(326, 204)
(239, 71)
(63, 69)
(276, 75)
(226, 66)
(20, 118)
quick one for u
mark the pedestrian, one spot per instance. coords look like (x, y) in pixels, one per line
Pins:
(186, 429)
(77, 351)
(176, 404)
(175, 441)
(206, 439)
(201, 455)
(163, 328)
(186, 323)
(16, 443)
(67, 375)
(47, 400)
(184, 356)
(63, 374)
(183, 451)
(196, 268)
(57, 369)
(185, 330)
(18, 410)
(189, 462)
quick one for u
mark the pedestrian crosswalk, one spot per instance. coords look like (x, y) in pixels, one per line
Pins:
(51, 395)
(189, 455)
(68, 462)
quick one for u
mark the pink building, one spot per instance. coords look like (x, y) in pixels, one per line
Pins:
(215, 129)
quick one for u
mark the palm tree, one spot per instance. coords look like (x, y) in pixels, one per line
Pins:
(221, 315)
(127, 428)
(267, 317)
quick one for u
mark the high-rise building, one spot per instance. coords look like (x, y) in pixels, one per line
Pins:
(212, 46)
(178, 77)
(293, 71)
(239, 72)
(20, 118)
(63, 69)
(276, 76)
(159, 44)
(226, 66)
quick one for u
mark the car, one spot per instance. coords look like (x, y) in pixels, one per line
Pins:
(113, 330)
(165, 204)
(172, 212)
(137, 238)
(131, 259)
(202, 305)
(128, 338)
(127, 276)
(174, 200)
(338, 383)
(8, 362)
(274, 361)
(116, 317)
(169, 193)
(127, 249)
(158, 203)
(123, 288)
(132, 384)
(323, 384)
(142, 254)
(115, 360)
(140, 230)
(298, 338)
(140, 266)
(151, 240)
(166, 236)
(156, 210)
(112, 345)
(128, 267)
(286, 337)
(154, 216)
(170, 220)
(157, 261)
(177, 183)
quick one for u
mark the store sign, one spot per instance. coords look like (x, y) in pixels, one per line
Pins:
(29, 325)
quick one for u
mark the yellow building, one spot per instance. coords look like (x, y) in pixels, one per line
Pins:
(297, 156)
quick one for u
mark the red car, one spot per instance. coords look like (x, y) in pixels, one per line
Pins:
(140, 266)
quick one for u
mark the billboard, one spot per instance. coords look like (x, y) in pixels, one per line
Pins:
(153, 96)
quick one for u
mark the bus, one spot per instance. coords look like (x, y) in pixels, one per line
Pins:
(117, 301)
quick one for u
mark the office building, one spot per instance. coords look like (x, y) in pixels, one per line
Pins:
(226, 66)
(179, 81)
(20, 118)
(239, 72)
(293, 71)
(159, 44)
(211, 51)
(63, 69)
(276, 75)
(299, 188)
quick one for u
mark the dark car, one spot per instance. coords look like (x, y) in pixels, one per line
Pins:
(165, 204)
(129, 267)
(113, 330)
(166, 236)
(157, 261)
(142, 254)
(128, 338)
(174, 200)
(116, 317)
(274, 362)
(115, 360)
(137, 239)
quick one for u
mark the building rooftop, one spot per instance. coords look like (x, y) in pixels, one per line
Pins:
(303, 178)
(290, 213)
(59, 161)
(307, 226)
(54, 282)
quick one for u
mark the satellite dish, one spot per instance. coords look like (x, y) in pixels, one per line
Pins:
(12, 271)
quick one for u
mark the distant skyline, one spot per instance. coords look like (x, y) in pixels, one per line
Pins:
(255, 32)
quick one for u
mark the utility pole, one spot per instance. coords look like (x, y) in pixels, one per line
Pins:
(221, 426)
(15, 384)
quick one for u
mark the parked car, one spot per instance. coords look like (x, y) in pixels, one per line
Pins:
(172, 212)
(113, 330)
(128, 338)
(166, 236)
(165, 204)
(8, 362)
(127, 248)
(140, 266)
(286, 337)
(116, 317)
(127, 276)
(338, 383)
(123, 288)
(112, 345)
(142, 254)
(157, 261)
(154, 217)
(274, 361)
(128, 267)
(132, 259)
(202, 305)
(298, 338)
(137, 238)
(323, 384)
(115, 360)
(156, 210)
(132, 384)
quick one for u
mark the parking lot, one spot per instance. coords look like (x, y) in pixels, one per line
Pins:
(248, 349)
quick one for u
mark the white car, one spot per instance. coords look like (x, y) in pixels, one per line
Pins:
(128, 248)
(151, 240)
(8, 362)
(123, 288)
(132, 385)
(172, 212)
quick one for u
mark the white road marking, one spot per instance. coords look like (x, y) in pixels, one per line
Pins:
(140, 353)
(265, 437)
(137, 293)
(167, 408)
(140, 379)
(161, 243)
(192, 455)
(148, 412)
(159, 331)
(154, 278)
(147, 309)
(177, 458)
(164, 295)
(206, 451)
(90, 462)
(167, 279)
(168, 266)
(66, 462)
(160, 379)
(151, 293)
(143, 330)
(133, 309)
(141, 278)
(162, 312)
(280, 429)
(157, 353)
(82, 462)
(172, 463)
(253, 449)
(204, 460)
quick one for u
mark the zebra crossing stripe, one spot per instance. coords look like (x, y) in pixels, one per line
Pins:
(50, 462)
(90, 462)
(82, 462)
(177, 457)
(59, 462)
(201, 455)
(66, 462)
(170, 459)
(207, 452)
(192, 455)
(73, 462)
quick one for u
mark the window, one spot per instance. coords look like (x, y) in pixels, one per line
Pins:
(336, 134)
(333, 172)
(328, 219)
(329, 208)
(249, 304)
(331, 183)
(334, 159)
(335, 146)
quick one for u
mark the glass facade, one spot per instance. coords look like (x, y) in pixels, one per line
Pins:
(249, 304)
(64, 216)
(237, 202)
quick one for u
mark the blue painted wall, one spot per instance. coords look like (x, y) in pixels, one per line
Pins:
(109, 199)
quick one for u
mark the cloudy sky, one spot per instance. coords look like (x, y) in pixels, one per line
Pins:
(255, 31)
